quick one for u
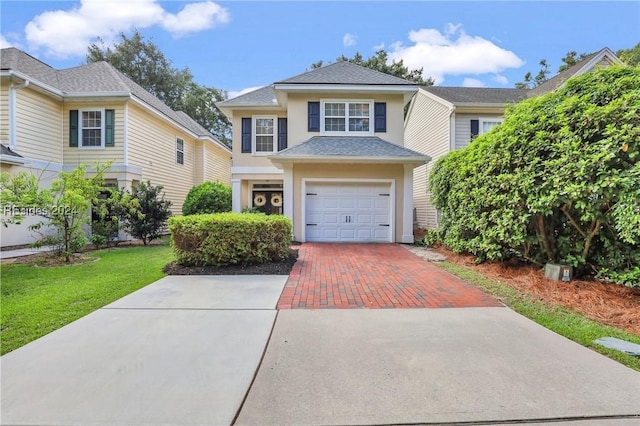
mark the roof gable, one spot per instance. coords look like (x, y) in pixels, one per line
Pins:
(345, 72)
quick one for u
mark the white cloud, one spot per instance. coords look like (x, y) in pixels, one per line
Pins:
(500, 79)
(4, 43)
(453, 52)
(349, 40)
(378, 47)
(472, 82)
(235, 93)
(67, 33)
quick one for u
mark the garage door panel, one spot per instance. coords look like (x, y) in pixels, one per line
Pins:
(348, 212)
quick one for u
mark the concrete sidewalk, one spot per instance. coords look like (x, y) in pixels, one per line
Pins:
(181, 351)
(365, 367)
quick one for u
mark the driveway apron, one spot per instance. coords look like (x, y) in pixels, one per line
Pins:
(181, 351)
(373, 276)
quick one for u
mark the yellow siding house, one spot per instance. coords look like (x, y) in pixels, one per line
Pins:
(53, 120)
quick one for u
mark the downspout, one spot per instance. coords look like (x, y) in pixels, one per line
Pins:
(12, 112)
(452, 128)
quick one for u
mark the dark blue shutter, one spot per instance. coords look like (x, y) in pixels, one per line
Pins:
(314, 116)
(282, 134)
(109, 136)
(380, 116)
(246, 135)
(475, 128)
(73, 128)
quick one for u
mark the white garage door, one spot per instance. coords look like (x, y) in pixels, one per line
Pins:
(343, 212)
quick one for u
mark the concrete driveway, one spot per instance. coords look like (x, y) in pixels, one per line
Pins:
(181, 351)
(419, 366)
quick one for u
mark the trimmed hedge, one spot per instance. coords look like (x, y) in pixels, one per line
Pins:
(229, 238)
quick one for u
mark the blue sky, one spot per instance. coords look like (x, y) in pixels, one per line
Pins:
(243, 44)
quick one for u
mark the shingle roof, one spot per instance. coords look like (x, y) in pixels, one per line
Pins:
(345, 72)
(478, 95)
(263, 96)
(358, 147)
(559, 79)
(7, 151)
(100, 78)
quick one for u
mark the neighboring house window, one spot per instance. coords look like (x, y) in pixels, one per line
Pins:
(264, 134)
(346, 117)
(487, 124)
(179, 151)
(91, 129)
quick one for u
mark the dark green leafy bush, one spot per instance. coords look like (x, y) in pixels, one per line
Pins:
(146, 214)
(208, 197)
(558, 181)
(230, 238)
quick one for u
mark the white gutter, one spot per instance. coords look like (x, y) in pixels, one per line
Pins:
(12, 112)
(11, 159)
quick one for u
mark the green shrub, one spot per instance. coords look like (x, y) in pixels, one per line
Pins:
(558, 180)
(208, 197)
(146, 212)
(230, 238)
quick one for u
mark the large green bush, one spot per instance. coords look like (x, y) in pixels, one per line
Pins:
(230, 238)
(208, 197)
(558, 181)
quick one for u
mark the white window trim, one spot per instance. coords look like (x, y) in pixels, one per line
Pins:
(482, 120)
(177, 151)
(103, 126)
(346, 112)
(254, 134)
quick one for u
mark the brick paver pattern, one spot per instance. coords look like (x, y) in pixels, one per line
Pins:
(329, 275)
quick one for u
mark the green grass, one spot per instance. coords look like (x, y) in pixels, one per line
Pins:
(38, 300)
(565, 322)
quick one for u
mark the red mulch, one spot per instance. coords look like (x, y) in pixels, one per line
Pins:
(610, 304)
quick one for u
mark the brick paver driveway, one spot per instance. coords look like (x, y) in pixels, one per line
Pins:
(373, 276)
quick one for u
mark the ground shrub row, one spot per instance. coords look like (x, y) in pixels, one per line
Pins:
(230, 238)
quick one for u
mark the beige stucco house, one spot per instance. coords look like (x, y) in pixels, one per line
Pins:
(53, 120)
(326, 149)
(443, 119)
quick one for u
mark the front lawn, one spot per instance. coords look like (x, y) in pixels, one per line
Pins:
(38, 300)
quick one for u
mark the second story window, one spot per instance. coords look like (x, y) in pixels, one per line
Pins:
(265, 134)
(91, 129)
(179, 151)
(347, 117)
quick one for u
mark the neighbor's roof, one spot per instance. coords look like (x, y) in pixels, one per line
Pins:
(477, 95)
(345, 72)
(7, 151)
(578, 68)
(100, 78)
(328, 147)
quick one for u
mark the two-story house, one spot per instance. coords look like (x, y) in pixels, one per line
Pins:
(326, 149)
(444, 119)
(53, 120)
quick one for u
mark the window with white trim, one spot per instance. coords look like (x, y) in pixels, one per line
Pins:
(264, 134)
(92, 128)
(346, 117)
(487, 124)
(179, 151)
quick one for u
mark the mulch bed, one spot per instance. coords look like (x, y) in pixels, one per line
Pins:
(606, 303)
(272, 268)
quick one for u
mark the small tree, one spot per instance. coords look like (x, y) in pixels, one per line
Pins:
(147, 212)
(64, 206)
(208, 197)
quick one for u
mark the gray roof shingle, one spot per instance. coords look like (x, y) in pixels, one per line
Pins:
(100, 78)
(478, 95)
(559, 79)
(358, 147)
(7, 151)
(263, 96)
(344, 72)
